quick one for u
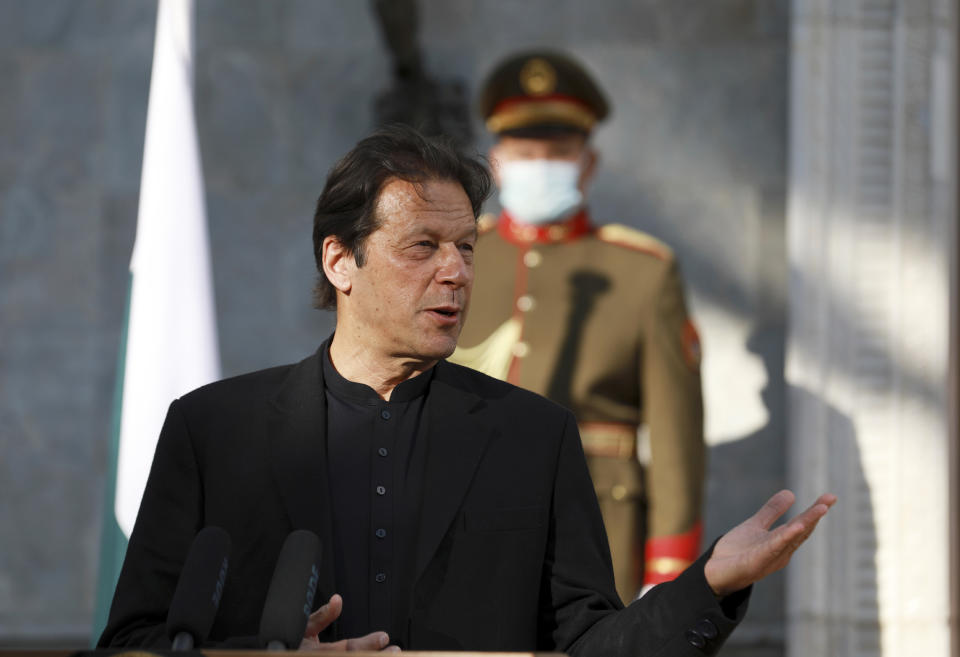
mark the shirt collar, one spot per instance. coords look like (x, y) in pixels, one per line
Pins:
(570, 229)
(361, 393)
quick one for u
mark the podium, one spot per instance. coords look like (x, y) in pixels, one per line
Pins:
(142, 652)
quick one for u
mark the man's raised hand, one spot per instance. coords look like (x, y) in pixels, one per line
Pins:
(751, 550)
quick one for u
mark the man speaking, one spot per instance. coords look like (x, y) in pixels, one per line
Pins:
(455, 510)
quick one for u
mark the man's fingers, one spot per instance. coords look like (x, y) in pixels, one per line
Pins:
(746, 554)
(792, 535)
(371, 642)
(827, 499)
(809, 520)
(322, 617)
(817, 510)
(784, 540)
(775, 507)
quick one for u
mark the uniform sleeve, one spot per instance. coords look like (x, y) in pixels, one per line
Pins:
(170, 515)
(673, 408)
(581, 613)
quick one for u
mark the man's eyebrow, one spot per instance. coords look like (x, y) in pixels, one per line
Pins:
(473, 233)
(432, 232)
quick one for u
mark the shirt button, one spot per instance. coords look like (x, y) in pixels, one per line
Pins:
(382, 451)
(520, 350)
(381, 577)
(525, 303)
(381, 490)
(532, 258)
(385, 414)
(381, 533)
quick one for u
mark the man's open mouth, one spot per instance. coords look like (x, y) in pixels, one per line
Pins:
(446, 311)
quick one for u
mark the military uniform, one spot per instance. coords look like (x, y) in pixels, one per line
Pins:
(594, 318)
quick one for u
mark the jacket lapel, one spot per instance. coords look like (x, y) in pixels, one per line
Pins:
(457, 439)
(298, 437)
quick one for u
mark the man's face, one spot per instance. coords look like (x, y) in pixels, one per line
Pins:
(572, 147)
(410, 297)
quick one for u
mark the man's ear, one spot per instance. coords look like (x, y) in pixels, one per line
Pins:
(590, 159)
(338, 264)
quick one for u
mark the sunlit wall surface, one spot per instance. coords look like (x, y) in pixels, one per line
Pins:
(872, 249)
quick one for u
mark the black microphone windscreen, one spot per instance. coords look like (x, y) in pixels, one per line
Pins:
(197, 596)
(294, 584)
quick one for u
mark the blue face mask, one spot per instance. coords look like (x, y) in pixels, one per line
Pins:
(540, 191)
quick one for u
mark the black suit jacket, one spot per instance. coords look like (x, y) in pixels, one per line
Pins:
(511, 554)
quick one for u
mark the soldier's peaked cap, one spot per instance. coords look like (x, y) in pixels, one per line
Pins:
(541, 89)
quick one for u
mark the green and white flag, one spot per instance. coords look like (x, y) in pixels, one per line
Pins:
(169, 342)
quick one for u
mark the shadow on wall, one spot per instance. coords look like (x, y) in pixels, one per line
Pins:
(851, 618)
(844, 613)
(741, 473)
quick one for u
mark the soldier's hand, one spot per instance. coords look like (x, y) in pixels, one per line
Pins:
(751, 551)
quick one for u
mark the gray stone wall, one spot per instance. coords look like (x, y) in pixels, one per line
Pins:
(72, 111)
(694, 153)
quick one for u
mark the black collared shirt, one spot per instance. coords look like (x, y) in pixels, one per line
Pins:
(376, 451)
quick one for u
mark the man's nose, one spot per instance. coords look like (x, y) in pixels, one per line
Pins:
(454, 269)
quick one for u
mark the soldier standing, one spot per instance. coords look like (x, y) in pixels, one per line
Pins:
(592, 317)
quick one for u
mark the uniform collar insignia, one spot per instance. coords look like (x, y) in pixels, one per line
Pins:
(564, 231)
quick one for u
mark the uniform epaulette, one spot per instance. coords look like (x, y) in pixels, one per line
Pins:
(634, 239)
(486, 222)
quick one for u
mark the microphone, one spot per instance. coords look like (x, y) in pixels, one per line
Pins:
(290, 597)
(197, 596)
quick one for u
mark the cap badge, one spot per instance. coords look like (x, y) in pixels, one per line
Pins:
(538, 77)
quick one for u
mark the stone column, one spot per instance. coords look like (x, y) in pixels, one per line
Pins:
(871, 241)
